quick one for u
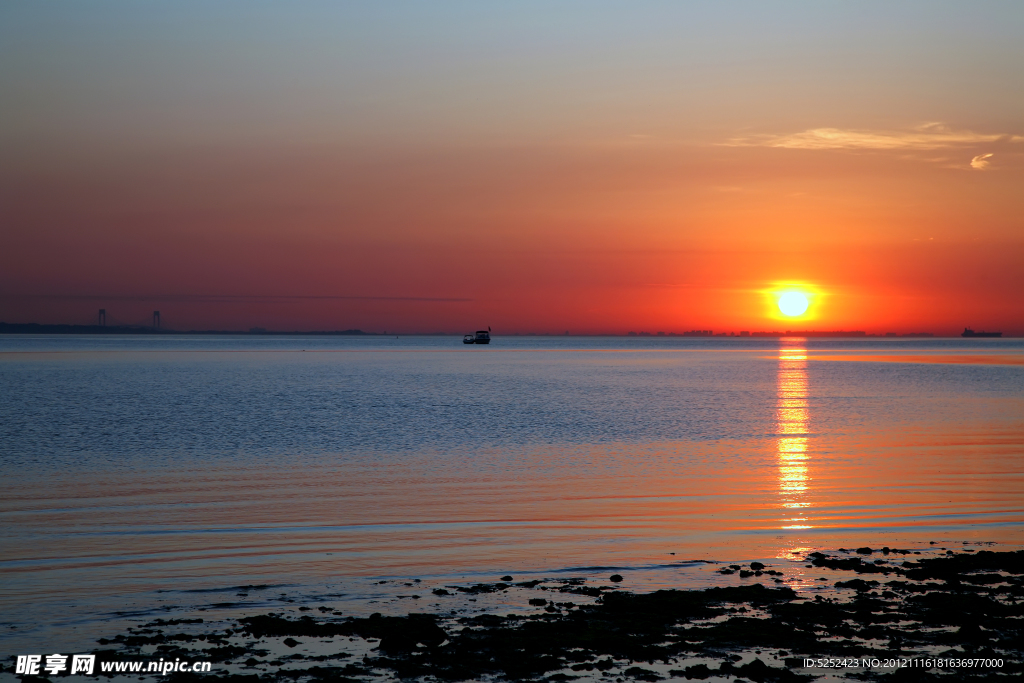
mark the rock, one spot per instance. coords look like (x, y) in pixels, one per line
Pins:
(290, 642)
(641, 674)
(698, 671)
(403, 634)
(506, 578)
(859, 585)
(756, 566)
(615, 578)
(538, 602)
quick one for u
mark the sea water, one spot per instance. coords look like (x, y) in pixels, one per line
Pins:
(147, 474)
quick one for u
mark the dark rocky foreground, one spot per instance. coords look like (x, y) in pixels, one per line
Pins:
(960, 606)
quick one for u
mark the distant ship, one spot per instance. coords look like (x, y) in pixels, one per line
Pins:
(968, 332)
(481, 337)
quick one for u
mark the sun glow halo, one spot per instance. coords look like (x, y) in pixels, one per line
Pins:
(793, 304)
(793, 300)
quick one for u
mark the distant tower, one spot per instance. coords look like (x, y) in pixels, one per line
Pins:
(101, 319)
(156, 319)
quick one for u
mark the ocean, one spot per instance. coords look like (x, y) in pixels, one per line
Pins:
(145, 475)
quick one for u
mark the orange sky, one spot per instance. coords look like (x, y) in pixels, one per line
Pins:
(597, 169)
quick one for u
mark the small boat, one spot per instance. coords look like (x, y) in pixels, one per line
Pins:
(481, 337)
(968, 332)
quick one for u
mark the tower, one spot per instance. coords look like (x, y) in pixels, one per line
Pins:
(101, 319)
(156, 320)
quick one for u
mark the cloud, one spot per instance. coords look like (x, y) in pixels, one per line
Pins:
(981, 162)
(929, 136)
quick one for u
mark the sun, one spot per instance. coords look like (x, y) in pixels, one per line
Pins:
(793, 300)
(793, 304)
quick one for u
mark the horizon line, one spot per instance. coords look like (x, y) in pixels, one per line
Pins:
(64, 328)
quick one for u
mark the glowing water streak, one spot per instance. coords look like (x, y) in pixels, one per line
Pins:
(791, 426)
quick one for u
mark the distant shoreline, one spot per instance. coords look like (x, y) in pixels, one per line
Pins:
(37, 328)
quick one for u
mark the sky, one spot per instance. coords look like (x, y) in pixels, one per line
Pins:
(596, 167)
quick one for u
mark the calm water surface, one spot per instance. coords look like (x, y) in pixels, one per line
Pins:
(137, 468)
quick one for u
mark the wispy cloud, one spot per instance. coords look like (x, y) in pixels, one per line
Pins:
(981, 162)
(929, 136)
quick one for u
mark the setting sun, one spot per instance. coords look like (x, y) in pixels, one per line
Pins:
(793, 303)
(793, 300)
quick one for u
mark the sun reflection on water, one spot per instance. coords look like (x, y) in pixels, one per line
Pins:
(791, 427)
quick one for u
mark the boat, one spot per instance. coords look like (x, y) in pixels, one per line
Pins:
(481, 337)
(968, 332)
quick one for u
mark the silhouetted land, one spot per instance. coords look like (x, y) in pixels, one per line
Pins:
(36, 328)
(895, 606)
(777, 333)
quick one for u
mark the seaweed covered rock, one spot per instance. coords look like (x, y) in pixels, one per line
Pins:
(968, 603)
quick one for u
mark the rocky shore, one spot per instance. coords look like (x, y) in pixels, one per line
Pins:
(891, 615)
